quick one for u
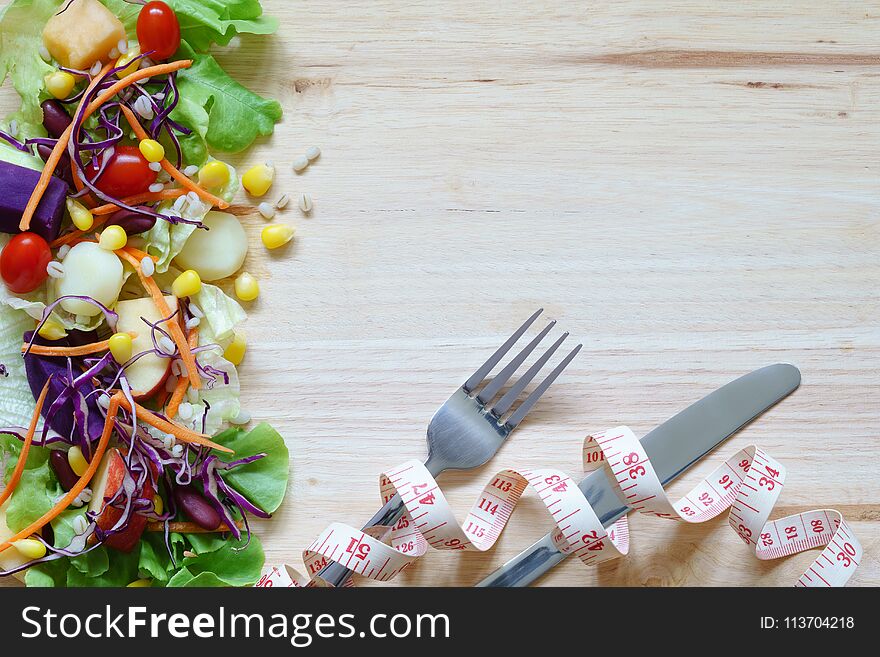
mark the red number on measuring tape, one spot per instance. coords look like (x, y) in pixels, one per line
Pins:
(766, 540)
(744, 464)
(817, 525)
(486, 505)
(773, 473)
(769, 484)
(744, 533)
(561, 486)
(791, 533)
(637, 471)
(475, 530)
(688, 511)
(359, 551)
(406, 547)
(846, 556)
(427, 499)
(501, 484)
(706, 499)
(403, 523)
(317, 565)
(454, 544)
(631, 459)
(725, 482)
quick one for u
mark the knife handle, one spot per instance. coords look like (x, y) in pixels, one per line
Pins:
(336, 574)
(527, 566)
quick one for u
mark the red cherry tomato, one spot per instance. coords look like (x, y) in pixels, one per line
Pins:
(158, 30)
(23, 262)
(127, 173)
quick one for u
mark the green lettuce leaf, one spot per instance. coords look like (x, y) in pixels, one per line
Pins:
(48, 574)
(206, 22)
(121, 570)
(222, 315)
(16, 399)
(263, 482)
(15, 156)
(21, 35)
(235, 116)
(165, 240)
(229, 565)
(36, 491)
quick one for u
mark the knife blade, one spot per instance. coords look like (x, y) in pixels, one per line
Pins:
(672, 447)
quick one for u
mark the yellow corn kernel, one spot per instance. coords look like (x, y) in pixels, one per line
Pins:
(152, 150)
(235, 351)
(140, 584)
(214, 174)
(125, 59)
(187, 284)
(30, 548)
(80, 215)
(60, 84)
(112, 238)
(257, 180)
(275, 235)
(120, 347)
(77, 461)
(52, 330)
(246, 287)
(158, 505)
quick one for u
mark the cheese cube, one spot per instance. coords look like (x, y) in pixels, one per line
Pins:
(82, 34)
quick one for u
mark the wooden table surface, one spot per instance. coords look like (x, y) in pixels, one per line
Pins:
(689, 188)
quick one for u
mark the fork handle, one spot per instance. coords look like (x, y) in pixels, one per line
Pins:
(336, 574)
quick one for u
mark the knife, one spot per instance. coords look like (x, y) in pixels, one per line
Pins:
(673, 447)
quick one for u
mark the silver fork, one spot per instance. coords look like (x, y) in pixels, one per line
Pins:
(467, 430)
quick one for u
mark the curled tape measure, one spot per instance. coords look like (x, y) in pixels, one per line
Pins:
(748, 483)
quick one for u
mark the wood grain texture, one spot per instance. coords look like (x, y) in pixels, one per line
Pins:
(690, 188)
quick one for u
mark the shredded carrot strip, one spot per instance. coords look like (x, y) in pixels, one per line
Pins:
(181, 433)
(182, 382)
(188, 527)
(26, 446)
(83, 481)
(130, 255)
(170, 168)
(81, 350)
(103, 97)
(53, 160)
(140, 255)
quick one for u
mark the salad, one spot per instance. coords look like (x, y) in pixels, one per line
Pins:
(122, 441)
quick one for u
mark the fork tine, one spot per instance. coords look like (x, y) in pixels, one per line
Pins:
(532, 399)
(489, 392)
(494, 359)
(511, 395)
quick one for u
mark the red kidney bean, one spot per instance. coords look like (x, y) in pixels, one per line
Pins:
(66, 476)
(196, 507)
(131, 222)
(48, 534)
(63, 168)
(55, 117)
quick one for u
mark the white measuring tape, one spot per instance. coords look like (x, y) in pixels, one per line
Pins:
(748, 483)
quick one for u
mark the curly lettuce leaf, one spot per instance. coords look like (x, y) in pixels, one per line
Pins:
(37, 489)
(16, 400)
(230, 564)
(228, 115)
(21, 35)
(165, 240)
(263, 482)
(206, 22)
